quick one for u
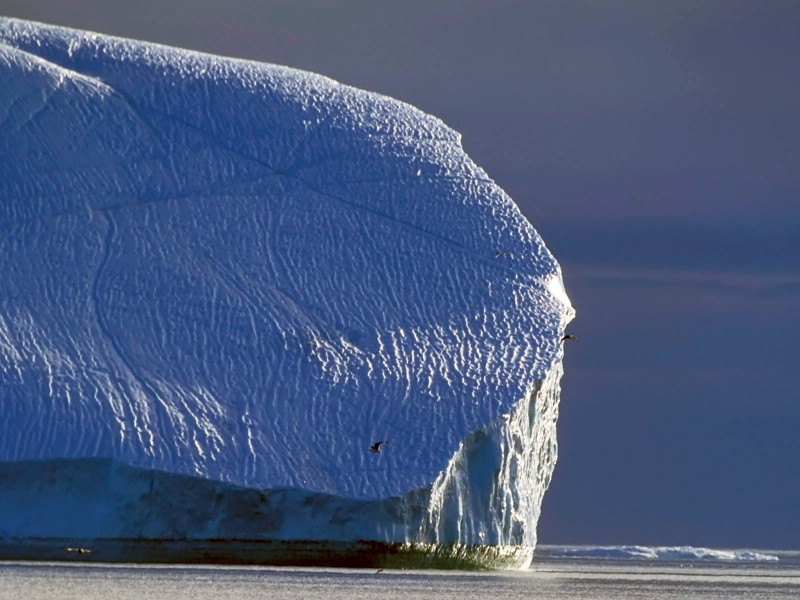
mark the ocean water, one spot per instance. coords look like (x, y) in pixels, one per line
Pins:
(552, 578)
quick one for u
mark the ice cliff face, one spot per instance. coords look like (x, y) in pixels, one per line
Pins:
(251, 273)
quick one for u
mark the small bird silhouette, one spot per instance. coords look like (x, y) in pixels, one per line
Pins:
(79, 550)
(500, 253)
(567, 337)
(376, 447)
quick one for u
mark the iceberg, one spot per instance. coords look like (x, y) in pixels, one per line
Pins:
(238, 274)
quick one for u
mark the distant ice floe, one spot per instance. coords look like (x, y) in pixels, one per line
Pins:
(665, 553)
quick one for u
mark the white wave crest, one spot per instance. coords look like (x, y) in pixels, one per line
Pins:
(666, 553)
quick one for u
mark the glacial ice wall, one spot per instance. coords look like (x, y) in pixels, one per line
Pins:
(250, 273)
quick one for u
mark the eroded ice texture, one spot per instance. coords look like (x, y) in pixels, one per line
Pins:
(251, 273)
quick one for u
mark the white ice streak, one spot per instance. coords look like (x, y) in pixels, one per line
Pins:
(665, 553)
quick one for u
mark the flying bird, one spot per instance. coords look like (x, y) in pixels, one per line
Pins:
(567, 337)
(79, 550)
(376, 447)
(500, 253)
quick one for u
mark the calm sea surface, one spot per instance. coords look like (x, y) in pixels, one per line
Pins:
(553, 578)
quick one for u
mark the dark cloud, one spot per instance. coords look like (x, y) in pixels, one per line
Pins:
(689, 246)
(678, 418)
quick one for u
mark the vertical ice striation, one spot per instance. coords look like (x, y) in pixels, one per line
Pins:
(491, 491)
(249, 274)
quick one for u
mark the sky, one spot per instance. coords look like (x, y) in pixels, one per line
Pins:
(655, 146)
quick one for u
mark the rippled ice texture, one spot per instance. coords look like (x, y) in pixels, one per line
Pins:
(251, 273)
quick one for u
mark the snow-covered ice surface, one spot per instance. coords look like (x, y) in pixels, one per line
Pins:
(249, 273)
